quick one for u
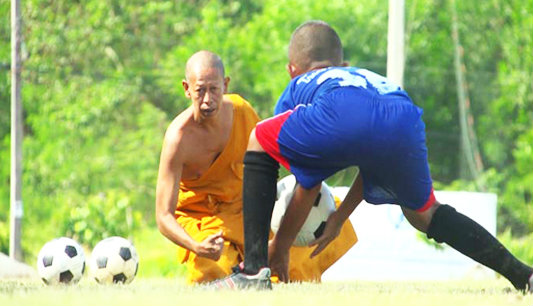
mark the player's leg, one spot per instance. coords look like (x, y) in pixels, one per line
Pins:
(259, 194)
(444, 224)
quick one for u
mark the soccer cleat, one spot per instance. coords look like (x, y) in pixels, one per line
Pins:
(241, 280)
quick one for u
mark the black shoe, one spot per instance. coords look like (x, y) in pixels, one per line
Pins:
(241, 280)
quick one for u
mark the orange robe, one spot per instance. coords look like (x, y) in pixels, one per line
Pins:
(213, 202)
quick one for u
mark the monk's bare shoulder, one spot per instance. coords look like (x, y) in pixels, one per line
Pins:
(176, 136)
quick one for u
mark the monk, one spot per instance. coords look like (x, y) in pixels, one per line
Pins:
(199, 184)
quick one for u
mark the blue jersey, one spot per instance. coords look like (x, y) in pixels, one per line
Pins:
(307, 87)
(337, 117)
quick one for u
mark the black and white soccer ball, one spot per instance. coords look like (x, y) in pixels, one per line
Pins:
(61, 261)
(114, 260)
(315, 223)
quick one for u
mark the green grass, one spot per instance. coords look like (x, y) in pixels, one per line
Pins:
(172, 291)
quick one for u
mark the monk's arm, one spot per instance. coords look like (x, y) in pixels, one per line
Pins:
(169, 176)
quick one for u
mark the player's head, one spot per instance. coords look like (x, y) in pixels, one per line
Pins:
(314, 44)
(205, 83)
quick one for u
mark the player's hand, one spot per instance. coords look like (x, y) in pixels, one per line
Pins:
(211, 247)
(278, 262)
(331, 231)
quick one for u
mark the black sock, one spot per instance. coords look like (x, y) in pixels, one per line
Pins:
(471, 239)
(258, 197)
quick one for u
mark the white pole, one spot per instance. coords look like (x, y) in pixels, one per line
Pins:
(15, 250)
(396, 41)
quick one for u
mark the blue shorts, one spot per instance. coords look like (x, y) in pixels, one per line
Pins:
(381, 134)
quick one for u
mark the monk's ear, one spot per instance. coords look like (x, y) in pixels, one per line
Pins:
(226, 83)
(185, 85)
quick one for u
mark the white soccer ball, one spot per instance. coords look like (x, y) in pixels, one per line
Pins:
(114, 260)
(316, 221)
(61, 261)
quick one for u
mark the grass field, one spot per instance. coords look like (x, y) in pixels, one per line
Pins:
(172, 291)
(157, 258)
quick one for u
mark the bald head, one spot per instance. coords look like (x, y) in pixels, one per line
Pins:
(315, 43)
(203, 60)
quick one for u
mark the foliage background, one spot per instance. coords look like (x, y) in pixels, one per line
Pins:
(102, 79)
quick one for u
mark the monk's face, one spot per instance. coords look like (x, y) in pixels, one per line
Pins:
(205, 86)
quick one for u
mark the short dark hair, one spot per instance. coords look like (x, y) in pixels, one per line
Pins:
(315, 41)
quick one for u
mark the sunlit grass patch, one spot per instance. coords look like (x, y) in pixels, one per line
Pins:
(174, 291)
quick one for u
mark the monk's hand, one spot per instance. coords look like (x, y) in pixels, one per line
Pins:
(279, 261)
(211, 247)
(331, 231)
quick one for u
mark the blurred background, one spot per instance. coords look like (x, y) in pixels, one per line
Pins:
(101, 81)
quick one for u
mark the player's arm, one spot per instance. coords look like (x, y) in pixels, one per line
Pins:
(295, 216)
(169, 176)
(337, 218)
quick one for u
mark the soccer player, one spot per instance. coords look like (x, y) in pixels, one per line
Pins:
(199, 185)
(331, 117)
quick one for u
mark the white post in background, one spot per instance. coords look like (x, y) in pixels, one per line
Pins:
(15, 250)
(396, 41)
